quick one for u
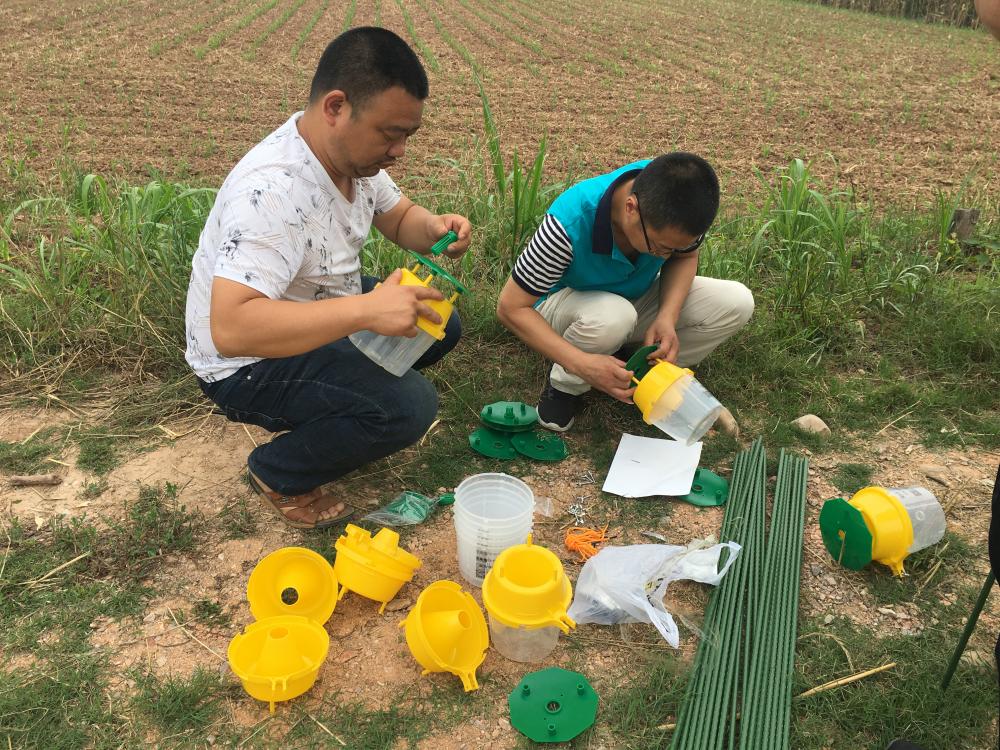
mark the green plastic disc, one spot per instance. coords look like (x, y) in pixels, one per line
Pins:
(492, 443)
(845, 533)
(509, 416)
(638, 363)
(708, 489)
(541, 446)
(438, 271)
(552, 705)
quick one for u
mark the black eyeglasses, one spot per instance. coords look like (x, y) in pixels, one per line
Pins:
(649, 247)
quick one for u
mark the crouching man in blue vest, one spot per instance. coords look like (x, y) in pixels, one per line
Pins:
(613, 266)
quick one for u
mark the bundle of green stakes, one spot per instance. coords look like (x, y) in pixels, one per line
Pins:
(740, 693)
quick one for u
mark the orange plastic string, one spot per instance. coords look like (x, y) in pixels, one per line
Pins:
(581, 540)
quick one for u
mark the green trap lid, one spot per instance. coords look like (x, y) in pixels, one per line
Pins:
(845, 533)
(435, 269)
(492, 443)
(552, 705)
(442, 244)
(447, 498)
(638, 363)
(541, 446)
(509, 416)
(707, 490)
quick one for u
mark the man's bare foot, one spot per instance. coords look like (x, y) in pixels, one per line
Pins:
(310, 510)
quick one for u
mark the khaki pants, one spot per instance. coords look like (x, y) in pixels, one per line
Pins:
(602, 322)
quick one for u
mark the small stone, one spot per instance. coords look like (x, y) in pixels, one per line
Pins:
(830, 581)
(936, 472)
(397, 604)
(909, 449)
(887, 611)
(816, 569)
(811, 423)
(828, 619)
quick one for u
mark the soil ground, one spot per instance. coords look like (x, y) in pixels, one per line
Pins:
(369, 663)
(895, 109)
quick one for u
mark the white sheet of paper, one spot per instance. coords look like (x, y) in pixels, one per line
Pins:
(648, 466)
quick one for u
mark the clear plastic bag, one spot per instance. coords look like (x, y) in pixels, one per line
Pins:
(408, 509)
(627, 584)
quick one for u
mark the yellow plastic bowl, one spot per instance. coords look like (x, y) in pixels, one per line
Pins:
(446, 632)
(293, 581)
(278, 658)
(374, 567)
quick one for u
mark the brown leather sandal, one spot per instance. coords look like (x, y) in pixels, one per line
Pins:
(280, 504)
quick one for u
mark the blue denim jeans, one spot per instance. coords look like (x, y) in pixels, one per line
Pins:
(336, 409)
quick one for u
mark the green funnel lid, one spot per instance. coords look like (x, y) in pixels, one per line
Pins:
(638, 363)
(438, 271)
(708, 489)
(845, 533)
(541, 446)
(492, 443)
(552, 705)
(509, 416)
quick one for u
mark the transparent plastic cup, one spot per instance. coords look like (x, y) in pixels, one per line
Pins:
(492, 512)
(396, 354)
(685, 410)
(523, 644)
(926, 515)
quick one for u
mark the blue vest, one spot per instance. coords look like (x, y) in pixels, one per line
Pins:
(598, 264)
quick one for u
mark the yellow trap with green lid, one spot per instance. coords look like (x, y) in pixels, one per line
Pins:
(397, 354)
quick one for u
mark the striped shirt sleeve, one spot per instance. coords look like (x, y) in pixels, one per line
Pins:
(545, 259)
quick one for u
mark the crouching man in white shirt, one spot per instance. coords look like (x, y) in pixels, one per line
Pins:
(276, 284)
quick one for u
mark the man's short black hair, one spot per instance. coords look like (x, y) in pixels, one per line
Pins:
(366, 61)
(678, 190)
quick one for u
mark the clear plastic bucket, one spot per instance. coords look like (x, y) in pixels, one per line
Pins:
(492, 512)
(523, 644)
(926, 515)
(396, 354)
(685, 410)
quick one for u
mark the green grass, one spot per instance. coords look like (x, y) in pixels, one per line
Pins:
(849, 478)
(178, 706)
(63, 698)
(28, 457)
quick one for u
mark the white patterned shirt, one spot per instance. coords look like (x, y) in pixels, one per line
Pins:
(279, 225)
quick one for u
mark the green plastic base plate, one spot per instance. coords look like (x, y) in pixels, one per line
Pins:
(492, 443)
(708, 489)
(541, 446)
(845, 533)
(552, 705)
(638, 363)
(509, 416)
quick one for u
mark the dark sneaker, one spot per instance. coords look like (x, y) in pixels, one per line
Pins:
(557, 410)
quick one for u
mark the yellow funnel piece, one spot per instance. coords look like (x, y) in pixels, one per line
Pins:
(375, 567)
(653, 395)
(528, 588)
(889, 524)
(446, 632)
(293, 581)
(441, 307)
(278, 658)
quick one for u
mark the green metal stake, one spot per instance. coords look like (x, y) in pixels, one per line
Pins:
(969, 627)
